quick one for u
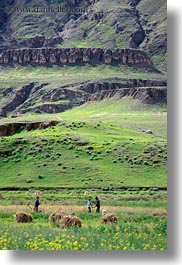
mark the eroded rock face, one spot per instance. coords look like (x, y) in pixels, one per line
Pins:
(12, 128)
(136, 38)
(147, 95)
(3, 130)
(34, 98)
(41, 56)
(47, 124)
(16, 98)
(44, 108)
(9, 129)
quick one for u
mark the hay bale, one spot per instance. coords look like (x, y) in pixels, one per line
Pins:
(23, 218)
(38, 194)
(109, 218)
(104, 212)
(70, 221)
(54, 217)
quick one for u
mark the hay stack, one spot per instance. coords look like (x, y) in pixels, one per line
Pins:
(70, 221)
(109, 218)
(55, 217)
(104, 211)
(23, 218)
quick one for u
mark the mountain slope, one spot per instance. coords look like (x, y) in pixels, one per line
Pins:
(91, 146)
(56, 89)
(91, 23)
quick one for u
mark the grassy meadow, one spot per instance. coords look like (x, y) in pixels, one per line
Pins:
(98, 149)
(133, 232)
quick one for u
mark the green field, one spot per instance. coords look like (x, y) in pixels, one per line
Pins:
(131, 233)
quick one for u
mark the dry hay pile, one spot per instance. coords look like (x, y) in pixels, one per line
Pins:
(109, 218)
(23, 218)
(104, 211)
(70, 221)
(55, 217)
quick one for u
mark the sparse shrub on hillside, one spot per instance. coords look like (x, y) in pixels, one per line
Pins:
(138, 162)
(70, 147)
(16, 160)
(106, 188)
(43, 140)
(126, 157)
(80, 125)
(146, 163)
(5, 160)
(29, 181)
(156, 165)
(90, 148)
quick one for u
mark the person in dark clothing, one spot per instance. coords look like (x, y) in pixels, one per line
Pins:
(97, 204)
(36, 204)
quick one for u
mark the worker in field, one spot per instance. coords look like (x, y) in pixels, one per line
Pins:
(36, 204)
(97, 204)
(89, 205)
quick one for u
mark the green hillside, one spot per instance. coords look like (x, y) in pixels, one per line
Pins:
(90, 147)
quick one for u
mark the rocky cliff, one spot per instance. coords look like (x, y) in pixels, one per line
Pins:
(11, 128)
(39, 98)
(148, 95)
(91, 23)
(42, 56)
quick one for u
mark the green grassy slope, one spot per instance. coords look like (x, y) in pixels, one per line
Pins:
(67, 73)
(126, 112)
(88, 150)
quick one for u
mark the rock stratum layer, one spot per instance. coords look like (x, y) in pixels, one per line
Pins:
(12, 128)
(40, 98)
(42, 56)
